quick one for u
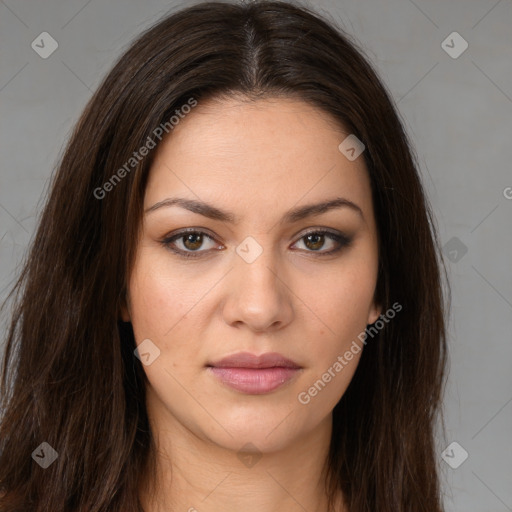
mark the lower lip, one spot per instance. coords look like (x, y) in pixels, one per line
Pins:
(254, 381)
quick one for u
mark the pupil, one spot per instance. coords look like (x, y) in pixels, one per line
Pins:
(190, 238)
(319, 238)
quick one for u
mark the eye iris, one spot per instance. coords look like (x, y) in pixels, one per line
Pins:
(318, 244)
(195, 238)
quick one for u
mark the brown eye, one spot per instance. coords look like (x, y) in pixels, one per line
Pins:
(192, 241)
(188, 243)
(316, 240)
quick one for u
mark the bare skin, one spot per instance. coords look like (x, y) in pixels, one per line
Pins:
(257, 161)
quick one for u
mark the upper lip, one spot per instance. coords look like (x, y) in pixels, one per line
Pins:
(248, 360)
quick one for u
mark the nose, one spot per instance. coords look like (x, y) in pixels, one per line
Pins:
(258, 295)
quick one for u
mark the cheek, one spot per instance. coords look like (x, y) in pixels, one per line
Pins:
(342, 304)
(164, 307)
(338, 316)
(159, 303)
(334, 349)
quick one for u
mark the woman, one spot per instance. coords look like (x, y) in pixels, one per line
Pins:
(233, 300)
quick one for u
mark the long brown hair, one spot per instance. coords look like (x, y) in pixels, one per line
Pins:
(70, 378)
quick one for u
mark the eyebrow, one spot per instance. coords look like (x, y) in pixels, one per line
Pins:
(291, 216)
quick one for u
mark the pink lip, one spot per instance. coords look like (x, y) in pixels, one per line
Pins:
(254, 381)
(253, 374)
(248, 360)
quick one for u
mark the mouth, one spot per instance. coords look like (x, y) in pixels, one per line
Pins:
(252, 374)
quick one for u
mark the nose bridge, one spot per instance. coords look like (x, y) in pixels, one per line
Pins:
(256, 266)
(258, 296)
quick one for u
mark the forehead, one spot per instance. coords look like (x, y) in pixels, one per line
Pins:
(271, 152)
(277, 126)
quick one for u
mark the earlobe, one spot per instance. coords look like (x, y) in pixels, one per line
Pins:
(125, 316)
(374, 314)
(125, 313)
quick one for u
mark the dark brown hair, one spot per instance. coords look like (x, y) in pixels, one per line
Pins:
(70, 377)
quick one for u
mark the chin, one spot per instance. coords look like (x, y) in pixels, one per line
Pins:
(267, 433)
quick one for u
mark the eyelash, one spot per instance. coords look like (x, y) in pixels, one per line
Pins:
(341, 239)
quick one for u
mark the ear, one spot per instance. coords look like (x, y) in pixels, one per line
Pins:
(374, 313)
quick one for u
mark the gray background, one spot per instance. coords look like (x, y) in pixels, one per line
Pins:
(458, 112)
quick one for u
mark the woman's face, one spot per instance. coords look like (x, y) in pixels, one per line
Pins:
(264, 279)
